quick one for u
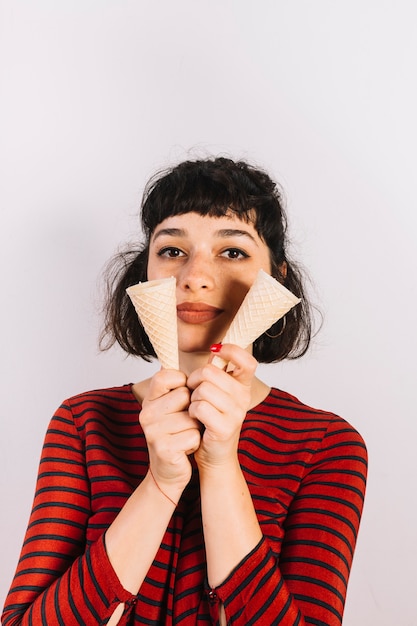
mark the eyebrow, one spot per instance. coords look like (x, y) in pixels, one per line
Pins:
(171, 232)
(221, 234)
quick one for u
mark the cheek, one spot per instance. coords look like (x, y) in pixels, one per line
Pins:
(150, 274)
(155, 269)
(235, 292)
(267, 261)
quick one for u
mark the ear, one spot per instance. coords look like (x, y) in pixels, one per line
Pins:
(283, 269)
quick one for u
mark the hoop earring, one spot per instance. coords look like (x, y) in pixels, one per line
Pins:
(284, 323)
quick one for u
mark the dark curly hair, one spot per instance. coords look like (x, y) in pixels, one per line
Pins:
(213, 187)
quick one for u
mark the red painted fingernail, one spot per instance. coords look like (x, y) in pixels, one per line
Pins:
(215, 347)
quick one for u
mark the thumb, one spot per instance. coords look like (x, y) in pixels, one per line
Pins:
(238, 362)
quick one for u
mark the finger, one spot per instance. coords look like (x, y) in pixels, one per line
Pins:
(215, 408)
(211, 393)
(242, 365)
(160, 408)
(169, 457)
(181, 423)
(208, 415)
(218, 389)
(172, 448)
(165, 381)
(170, 423)
(157, 423)
(189, 440)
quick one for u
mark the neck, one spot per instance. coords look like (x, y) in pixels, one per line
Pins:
(190, 361)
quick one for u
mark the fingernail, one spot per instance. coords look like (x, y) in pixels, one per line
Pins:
(215, 347)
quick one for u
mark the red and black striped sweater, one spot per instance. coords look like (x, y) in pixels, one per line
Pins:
(306, 470)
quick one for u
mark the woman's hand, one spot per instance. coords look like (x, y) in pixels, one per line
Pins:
(171, 433)
(220, 401)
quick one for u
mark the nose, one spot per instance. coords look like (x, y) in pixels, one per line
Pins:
(196, 274)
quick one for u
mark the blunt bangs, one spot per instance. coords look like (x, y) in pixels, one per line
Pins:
(213, 188)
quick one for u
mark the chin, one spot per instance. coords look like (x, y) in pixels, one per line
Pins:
(198, 339)
(192, 347)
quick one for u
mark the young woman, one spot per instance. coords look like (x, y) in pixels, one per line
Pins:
(196, 496)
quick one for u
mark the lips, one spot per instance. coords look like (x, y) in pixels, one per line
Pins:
(197, 312)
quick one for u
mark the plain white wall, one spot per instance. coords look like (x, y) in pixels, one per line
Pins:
(97, 94)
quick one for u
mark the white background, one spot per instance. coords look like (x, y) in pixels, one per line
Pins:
(98, 94)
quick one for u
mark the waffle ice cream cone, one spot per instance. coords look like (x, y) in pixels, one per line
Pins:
(156, 305)
(266, 302)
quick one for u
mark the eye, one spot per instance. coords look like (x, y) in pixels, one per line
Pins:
(234, 253)
(170, 252)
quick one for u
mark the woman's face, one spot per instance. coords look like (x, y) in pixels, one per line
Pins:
(215, 260)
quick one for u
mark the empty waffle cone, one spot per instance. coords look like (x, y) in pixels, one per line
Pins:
(156, 305)
(266, 302)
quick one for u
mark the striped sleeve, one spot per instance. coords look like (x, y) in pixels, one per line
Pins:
(307, 582)
(58, 580)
